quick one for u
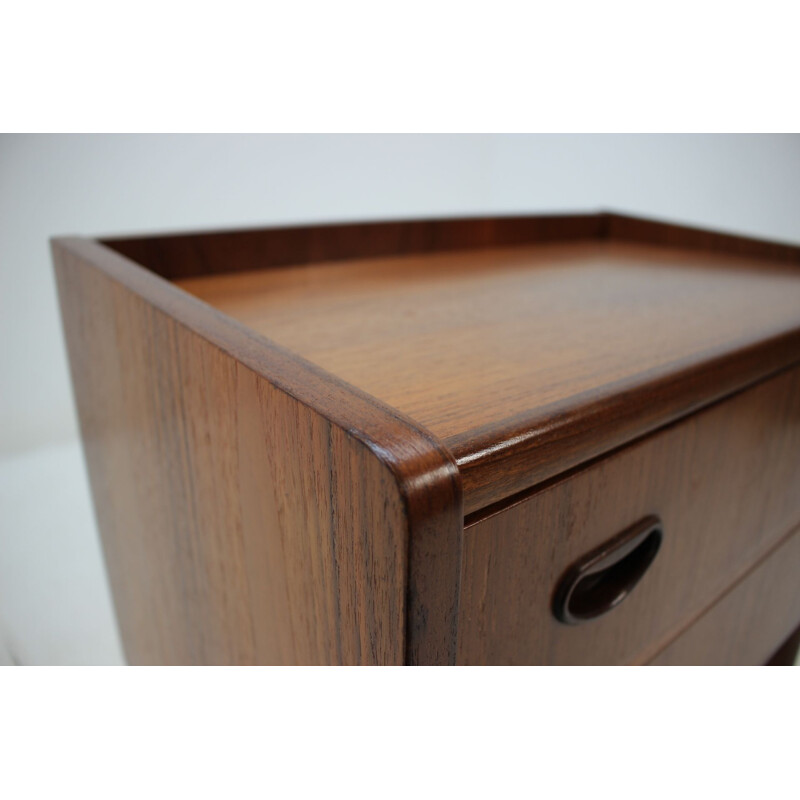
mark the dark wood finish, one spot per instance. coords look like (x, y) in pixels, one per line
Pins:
(526, 362)
(724, 484)
(285, 427)
(786, 654)
(189, 255)
(742, 628)
(184, 255)
(252, 508)
(620, 227)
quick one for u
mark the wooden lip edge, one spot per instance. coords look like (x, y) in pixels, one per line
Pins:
(614, 225)
(632, 228)
(600, 421)
(111, 240)
(750, 568)
(290, 245)
(190, 255)
(428, 479)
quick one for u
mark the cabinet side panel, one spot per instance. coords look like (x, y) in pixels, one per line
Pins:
(239, 525)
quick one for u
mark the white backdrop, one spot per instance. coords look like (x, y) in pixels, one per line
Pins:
(53, 599)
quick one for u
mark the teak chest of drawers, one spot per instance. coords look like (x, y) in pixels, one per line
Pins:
(527, 440)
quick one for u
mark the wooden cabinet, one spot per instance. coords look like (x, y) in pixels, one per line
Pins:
(408, 442)
(724, 485)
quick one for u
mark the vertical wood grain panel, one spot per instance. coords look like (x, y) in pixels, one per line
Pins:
(240, 524)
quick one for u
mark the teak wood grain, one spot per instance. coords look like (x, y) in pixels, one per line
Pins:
(252, 509)
(724, 483)
(185, 255)
(573, 339)
(520, 360)
(745, 625)
(285, 428)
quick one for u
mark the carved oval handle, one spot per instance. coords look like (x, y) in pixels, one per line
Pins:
(602, 579)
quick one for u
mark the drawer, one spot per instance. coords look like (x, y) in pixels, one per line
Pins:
(744, 626)
(725, 485)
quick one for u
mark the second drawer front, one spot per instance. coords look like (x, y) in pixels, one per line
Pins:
(750, 621)
(725, 484)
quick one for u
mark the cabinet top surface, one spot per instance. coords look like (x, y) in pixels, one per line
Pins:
(463, 341)
(526, 345)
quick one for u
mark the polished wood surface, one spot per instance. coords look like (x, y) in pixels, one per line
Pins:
(724, 484)
(520, 359)
(744, 626)
(185, 255)
(387, 442)
(252, 509)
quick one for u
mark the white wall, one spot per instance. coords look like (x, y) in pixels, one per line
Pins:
(102, 184)
(55, 606)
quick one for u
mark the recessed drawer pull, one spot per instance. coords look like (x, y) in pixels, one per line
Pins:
(601, 580)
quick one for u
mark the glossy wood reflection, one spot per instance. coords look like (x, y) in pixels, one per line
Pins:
(242, 523)
(724, 484)
(487, 349)
(387, 443)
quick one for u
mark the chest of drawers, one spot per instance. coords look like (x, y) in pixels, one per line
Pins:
(526, 440)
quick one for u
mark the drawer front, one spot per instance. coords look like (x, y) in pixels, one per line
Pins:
(725, 484)
(750, 621)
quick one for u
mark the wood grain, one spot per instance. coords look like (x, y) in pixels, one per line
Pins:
(184, 255)
(252, 508)
(726, 485)
(624, 227)
(528, 361)
(284, 428)
(745, 625)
